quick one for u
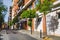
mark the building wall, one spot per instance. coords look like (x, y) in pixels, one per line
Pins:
(15, 8)
(25, 1)
(48, 19)
(10, 13)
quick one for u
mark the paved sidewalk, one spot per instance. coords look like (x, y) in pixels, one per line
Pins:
(35, 34)
(4, 37)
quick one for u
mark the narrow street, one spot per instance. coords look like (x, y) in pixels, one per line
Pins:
(15, 36)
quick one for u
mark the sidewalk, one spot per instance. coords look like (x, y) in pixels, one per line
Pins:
(35, 34)
(4, 37)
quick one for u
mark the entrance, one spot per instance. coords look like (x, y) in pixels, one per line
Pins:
(23, 25)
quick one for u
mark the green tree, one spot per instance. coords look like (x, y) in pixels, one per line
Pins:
(29, 14)
(10, 23)
(2, 15)
(44, 7)
(15, 20)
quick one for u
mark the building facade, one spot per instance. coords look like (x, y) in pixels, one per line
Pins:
(18, 5)
(10, 14)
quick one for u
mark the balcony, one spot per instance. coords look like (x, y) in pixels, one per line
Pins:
(20, 3)
(25, 6)
(15, 1)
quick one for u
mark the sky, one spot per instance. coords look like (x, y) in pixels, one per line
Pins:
(8, 3)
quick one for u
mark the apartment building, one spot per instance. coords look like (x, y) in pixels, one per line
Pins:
(14, 8)
(10, 14)
(19, 5)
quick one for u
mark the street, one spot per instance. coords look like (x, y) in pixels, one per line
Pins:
(14, 36)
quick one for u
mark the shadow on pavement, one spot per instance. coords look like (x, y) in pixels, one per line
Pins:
(1, 35)
(1, 38)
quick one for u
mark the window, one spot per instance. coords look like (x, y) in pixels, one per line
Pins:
(59, 15)
(38, 21)
(30, 6)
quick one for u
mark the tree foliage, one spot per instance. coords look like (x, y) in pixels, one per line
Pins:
(30, 22)
(15, 20)
(52, 0)
(46, 6)
(2, 9)
(28, 14)
(10, 23)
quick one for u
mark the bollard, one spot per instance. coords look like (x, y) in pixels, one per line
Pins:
(40, 34)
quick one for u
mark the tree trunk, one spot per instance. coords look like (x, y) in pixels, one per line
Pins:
(44, 25)
(32, 28)
(32, 24)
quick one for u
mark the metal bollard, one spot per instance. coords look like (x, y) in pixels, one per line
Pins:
(40, 34)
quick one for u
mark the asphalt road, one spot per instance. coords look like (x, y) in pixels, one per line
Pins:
(14, 35)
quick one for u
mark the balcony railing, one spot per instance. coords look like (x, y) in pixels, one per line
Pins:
(25, 6)
(20, 2)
